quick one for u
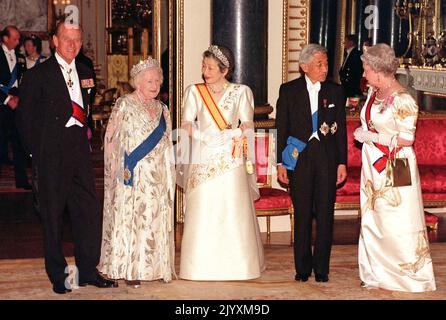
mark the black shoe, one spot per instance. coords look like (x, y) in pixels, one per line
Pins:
(301, 277)
(100, 282)
(26, 186)
(321, 277)
(59, 288)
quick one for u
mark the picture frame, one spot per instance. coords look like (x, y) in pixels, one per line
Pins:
(29, 16)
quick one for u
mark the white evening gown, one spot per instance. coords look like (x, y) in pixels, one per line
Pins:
(221, 237)
(393, 246)
(138, 230)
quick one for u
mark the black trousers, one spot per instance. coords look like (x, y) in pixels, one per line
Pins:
(66, 181)
(4, 132)
(9, 133)
(313, 190)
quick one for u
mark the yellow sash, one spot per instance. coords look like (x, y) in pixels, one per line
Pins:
(210, 104)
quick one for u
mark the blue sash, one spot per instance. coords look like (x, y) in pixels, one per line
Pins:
(5, 89)
(131, 160)
(291, 152)
(296, 146)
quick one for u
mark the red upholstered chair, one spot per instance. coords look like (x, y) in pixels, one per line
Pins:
(272, 202)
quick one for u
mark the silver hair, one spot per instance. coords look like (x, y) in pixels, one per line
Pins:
(381, 58)
(142, 66)
(309, 51)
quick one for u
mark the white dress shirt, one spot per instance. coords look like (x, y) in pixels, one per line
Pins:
(313, 92)
(12, 60)
(75, 90)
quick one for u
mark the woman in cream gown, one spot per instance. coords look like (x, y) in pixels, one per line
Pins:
(138, 231)
(221, 237)
(393, 245)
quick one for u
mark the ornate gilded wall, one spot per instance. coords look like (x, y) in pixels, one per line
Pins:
(296, 35)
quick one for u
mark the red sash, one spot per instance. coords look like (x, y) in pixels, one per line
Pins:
(78, 113)
(379, 164)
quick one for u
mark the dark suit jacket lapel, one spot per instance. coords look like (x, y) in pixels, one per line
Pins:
(4, 66)
(56, 73)
(60, 87)
(305, 104)
(322, 95)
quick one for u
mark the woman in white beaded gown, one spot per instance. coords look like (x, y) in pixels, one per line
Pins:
(139, 184)
(393, 245)
(221, 237)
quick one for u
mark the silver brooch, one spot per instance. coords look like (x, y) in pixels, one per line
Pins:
(334, 128)
(324, 129)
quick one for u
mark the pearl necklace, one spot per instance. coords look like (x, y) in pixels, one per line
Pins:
(381, 90)
(212, 88)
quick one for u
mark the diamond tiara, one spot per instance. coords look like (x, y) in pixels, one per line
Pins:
(219, 55)
(142, 65)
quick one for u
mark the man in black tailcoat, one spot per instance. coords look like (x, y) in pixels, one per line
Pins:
(52, 120)
(12, 65)
(311, 114)
(351, 70)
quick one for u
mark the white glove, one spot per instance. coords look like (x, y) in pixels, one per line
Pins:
(214, 139)
(369, 136)
(235, 133)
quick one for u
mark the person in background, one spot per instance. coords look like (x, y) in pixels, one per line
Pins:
(364, 85)
(351, 70)
(33, 50)
(12, 66)
(393, 249)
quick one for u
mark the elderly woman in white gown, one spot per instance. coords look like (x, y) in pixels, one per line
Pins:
(393, 245)
(139, 185)
(221, 238)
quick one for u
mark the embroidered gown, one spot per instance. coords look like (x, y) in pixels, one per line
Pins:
(138, 231)
(221, 237)
(393, 245)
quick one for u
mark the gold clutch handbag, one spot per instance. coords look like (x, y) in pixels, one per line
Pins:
(398, 173)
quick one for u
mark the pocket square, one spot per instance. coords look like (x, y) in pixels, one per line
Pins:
(331, 105)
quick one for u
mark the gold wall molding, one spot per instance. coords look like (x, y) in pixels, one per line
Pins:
(341, 32)
(296, 34)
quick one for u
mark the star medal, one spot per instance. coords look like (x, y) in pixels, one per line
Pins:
(295, 153)
(127, 174)
(324, 129)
